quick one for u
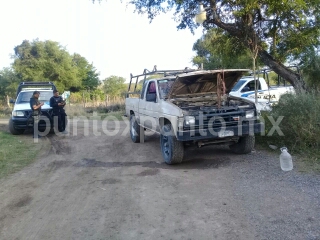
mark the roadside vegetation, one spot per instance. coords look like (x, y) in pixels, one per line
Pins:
(98, 112)
(5, 111)
(300, 126)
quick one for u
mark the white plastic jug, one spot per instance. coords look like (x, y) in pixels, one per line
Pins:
(285, 160)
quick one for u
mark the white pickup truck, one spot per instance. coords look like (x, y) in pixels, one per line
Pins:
(245, 88)
(192, 107)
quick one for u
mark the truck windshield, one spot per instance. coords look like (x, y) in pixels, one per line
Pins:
(24, 97)
(164, 86)
(238, 85)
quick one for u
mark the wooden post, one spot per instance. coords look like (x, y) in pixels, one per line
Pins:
(8, 101)
(107, 100)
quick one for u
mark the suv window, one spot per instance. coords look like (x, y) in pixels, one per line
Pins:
(24, 97)
(250, 85)
(238, 85)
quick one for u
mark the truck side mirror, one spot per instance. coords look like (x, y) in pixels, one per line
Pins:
(151, 97)
(12, 101)
(245, 89)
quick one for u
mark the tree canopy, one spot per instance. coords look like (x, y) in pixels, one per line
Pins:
(114, 86)
(9, 82)
(287, 28)
(217, 50)
(49, 61)
(311, 69)
(86, 72)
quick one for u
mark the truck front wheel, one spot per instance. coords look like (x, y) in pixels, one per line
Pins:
(13, 130)
(244, 145)
(134, 129)
(172, 150)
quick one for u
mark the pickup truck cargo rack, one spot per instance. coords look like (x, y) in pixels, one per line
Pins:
(46, 85)
(155, 71)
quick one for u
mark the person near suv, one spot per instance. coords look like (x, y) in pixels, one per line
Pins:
(36, 112)
(59, 114)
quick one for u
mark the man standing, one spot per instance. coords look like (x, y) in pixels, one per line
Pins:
(59, 114)
(36, 112)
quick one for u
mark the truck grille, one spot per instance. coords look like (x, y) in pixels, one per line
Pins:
(217, 121)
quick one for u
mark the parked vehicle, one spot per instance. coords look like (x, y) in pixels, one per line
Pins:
(192, 107)
(21, 117)
(267, 96)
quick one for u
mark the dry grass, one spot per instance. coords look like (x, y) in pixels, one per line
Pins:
(77, 110)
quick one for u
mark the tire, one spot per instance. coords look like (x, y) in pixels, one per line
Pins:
(244, 145)
(134, 129)
(13, 130)
(172, 150)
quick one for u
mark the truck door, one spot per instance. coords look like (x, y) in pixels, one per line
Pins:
(150, 107)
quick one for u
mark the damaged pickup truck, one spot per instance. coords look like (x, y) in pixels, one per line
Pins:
(188, 107)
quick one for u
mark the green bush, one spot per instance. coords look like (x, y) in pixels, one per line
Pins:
(5, 111)
(300, 123)
(76, 97)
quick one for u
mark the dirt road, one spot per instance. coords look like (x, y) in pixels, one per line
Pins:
(106, 187)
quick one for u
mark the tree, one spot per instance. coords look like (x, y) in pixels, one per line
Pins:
(46, 61)
(217, 50)
(311, 68)
(114, 86)
(92, 80)
(9, 82)
(288, 28)
(86, 72)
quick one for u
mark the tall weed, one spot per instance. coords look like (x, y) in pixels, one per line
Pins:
(300, 123)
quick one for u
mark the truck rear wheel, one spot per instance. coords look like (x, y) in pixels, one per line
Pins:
(13, 130)
(244, 145)
(172, 150)
(134, 129)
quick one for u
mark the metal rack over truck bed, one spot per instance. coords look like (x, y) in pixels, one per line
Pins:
(154, 71)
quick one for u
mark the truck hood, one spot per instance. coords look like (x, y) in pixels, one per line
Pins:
(26, 106)
(204, 81)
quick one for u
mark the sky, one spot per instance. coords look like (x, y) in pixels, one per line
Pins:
(109, 35)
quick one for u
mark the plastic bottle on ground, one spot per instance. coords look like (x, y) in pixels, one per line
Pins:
(285, 160)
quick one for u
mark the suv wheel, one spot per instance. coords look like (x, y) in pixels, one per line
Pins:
(13, 130)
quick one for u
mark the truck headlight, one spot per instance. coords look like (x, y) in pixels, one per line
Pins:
(189, 120)
(249, 114)
(18, 113)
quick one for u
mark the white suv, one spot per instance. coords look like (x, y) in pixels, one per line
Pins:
(21, 117)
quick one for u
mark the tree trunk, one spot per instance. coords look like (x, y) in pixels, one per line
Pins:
(8, 101)
(237, 31)
(294, 78)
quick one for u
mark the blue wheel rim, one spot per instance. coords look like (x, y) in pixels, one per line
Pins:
(166, 146)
